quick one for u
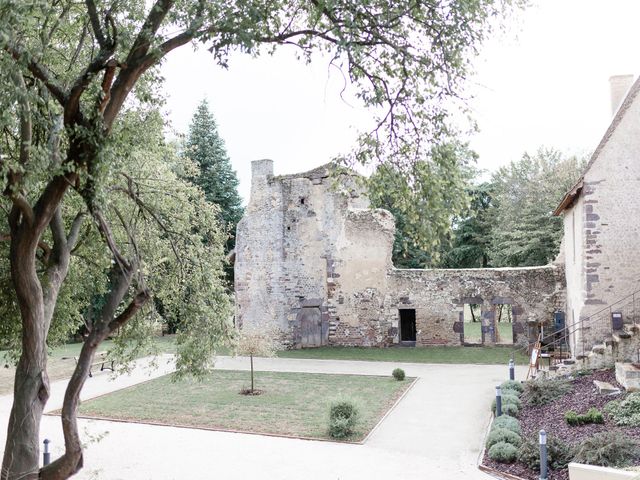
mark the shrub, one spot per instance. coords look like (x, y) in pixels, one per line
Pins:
(503, 452)
(543, 391)
(340, 427)
(498, 435)
(513, 386)
(625, 412)
(510, 409)
(507, 399)
(559, 453)
(507, 422)
(343, 415)
(398, 374)
(572, 417)
(593, 415)
(608, 449)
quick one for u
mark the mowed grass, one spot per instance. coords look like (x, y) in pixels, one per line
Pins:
(61, 364)
(294, 404)
(472, 333)
(431, 354)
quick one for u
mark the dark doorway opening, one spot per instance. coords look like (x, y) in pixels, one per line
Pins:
(407, 325)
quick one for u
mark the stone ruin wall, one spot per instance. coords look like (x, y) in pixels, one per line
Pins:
(286, 244)
(307, 242)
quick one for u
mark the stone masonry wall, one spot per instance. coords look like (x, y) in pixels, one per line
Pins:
(312, 257)
(603, 261)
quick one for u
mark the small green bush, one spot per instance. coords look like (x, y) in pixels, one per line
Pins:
(398, 374)
(559, 453)
(625, 412)
(572, 417)
(498, 435)
(343, 415)
(503, 452)
(512, 385)
(543, 391)
(593, 415)
(510, 423)
(608, 449)
(507, 399)
(510, 409)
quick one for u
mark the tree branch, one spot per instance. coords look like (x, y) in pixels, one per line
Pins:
(105, 231)
(137, 61)
(21, 203)
(37, 70)
(136, 304)
(95, 23)
(74, 231)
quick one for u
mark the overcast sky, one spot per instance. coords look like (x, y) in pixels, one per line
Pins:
(545, 81)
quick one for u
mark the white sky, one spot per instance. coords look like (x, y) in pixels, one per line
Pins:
(542, 82)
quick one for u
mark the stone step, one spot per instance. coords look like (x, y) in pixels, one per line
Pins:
(599, 348)
(605, 388)
(628, 375)
(621, 336)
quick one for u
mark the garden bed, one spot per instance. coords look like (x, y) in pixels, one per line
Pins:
(551, 418)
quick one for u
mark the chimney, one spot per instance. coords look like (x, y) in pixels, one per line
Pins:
(619, 85)
(261, 172)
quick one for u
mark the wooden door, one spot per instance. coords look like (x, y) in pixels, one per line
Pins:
(311, 327)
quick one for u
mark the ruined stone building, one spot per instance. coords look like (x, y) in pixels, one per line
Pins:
(313, 257)
(601, 246)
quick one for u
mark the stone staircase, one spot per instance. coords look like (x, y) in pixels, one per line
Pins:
(619, 344)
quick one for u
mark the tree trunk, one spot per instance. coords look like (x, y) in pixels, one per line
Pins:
(31, 388)
(251, 357)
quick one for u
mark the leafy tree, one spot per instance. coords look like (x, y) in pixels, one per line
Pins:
(423, 203)
(470, 247)
(525, 232)
(70, 70)
(216, 177)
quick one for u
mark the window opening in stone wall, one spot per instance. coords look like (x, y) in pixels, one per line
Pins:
(407, 326)
(472, 323)
(504, 324)
(302, 201)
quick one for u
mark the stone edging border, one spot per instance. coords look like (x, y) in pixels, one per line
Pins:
(212, 429)
(498, 474)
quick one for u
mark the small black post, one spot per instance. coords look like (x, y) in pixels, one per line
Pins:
(46, 456)
(498, 401)
(543, 455)
(512, 369)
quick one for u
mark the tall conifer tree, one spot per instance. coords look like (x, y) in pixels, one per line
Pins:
(217, 178)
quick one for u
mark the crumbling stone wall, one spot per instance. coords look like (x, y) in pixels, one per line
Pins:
(286, 245)
(313, 257)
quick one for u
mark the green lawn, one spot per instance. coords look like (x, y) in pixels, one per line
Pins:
(292, 403)
(433, 354)
(61, 364)
(472, 332)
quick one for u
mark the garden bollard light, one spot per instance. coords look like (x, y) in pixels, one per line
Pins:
(46, 456)
(498, 401)
(543, 455)
(512, 370)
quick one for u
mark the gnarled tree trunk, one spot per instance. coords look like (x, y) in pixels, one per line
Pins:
(31, 388)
